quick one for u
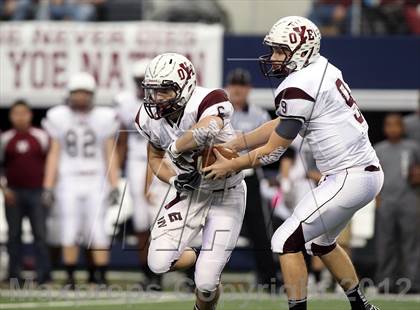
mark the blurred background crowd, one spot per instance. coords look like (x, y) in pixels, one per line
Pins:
(334, 17)
(390, 251)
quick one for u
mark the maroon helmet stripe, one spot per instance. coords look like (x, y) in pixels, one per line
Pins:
(292, 93)
(214, 97)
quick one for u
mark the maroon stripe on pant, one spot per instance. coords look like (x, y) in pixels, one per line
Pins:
(173, 201)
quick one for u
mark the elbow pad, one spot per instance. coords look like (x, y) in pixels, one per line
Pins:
(205, 135)
(272, 157)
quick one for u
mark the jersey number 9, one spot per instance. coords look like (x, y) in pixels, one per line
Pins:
(345, 93)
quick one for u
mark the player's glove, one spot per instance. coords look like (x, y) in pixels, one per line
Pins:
(47, 198)
(186, 182)
(114, 197)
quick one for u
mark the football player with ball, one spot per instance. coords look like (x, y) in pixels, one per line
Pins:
(314, 101)
(181, 120)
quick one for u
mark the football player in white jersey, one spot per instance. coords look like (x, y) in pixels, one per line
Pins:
(314, 101)
(179, 119)
(133, 147)
(81, 173)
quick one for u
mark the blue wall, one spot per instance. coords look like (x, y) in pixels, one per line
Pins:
(383, 63)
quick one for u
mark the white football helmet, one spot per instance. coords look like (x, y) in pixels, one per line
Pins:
(81, 89)
(166, 73)
(297, 37)
(81, 81)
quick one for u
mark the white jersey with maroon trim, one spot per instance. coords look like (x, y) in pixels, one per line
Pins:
(81, 137)
(333, 125)
(127, 104)
(203, 102)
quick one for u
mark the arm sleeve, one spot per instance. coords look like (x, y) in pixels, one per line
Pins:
(288, 128)
(294, 103)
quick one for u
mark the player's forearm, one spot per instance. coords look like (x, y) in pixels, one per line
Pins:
(122, 146)
(113, 163)
(162, 169)
(264, 155)
(113, 174)
(200, 134)
(255, 138)
(51, 166)
(149, 179)
(249, 160)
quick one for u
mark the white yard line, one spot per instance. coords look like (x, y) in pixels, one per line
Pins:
(146, 299)
(62, 304)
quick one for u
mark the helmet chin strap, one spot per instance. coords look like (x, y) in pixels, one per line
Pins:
(175, 118)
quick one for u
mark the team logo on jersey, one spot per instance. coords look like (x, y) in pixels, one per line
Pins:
(22, 146)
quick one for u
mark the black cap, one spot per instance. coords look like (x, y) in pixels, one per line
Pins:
(239, 76)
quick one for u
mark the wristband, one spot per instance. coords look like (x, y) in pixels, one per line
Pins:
(173, 149)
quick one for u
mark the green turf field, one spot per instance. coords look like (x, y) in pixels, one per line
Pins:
(230, 302)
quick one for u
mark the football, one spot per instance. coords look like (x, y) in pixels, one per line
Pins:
(207, 157)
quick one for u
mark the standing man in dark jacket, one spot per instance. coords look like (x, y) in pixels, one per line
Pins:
(398, 249)
(412, 131)
(23, 149)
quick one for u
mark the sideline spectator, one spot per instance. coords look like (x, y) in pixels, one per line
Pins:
(331, 16)
(397, 207)
(412, 15)
(24, 150)
(412, 125)
(17, 9)
(246, 118)
(68, 10)
(412, 130)
(199, 11)
(384, 17)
